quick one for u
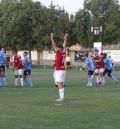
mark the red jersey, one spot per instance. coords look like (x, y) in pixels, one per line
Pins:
(17, 62)
(60, 60)
(97, 60)
(101, 62)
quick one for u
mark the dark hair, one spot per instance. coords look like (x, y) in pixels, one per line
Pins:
(60, 46)
(104, 55)
(86, 54)
(15, 51)
(96, 50)
(26, 52)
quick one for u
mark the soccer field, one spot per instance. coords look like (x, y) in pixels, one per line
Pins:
(84, 107)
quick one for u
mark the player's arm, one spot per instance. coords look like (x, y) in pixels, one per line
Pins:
(5, 59)
(28, 61)
(53, 42)
(65, 40)
(20, 62)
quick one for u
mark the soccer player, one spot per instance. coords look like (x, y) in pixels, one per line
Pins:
(27, 69)
(91, 68)
(18, 68)
(2, 68)
(68, 64)
(97, 60)
(101, 68)
(108, 68)
(60, 50)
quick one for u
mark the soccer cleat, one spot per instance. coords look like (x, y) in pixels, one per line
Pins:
(60, 100)
(116, 81)
(90, 84)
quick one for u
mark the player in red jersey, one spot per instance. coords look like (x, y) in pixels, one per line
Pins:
(18, 68)
(98, 66)
(101, 69)
(59, 74)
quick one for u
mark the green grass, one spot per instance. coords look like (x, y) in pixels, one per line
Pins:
(84, 107)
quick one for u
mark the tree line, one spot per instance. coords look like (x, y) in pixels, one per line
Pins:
(25, 24)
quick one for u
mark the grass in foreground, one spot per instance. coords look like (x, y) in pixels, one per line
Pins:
(84, 108)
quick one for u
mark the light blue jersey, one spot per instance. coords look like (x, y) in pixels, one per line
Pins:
(27, 65)
(108, 63)
(2, 57)
(90, 63)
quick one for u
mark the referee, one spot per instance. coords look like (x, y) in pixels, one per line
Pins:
(68, 64)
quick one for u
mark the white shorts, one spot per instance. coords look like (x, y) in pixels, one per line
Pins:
(19, 72)
(59, 76)
(99, 71)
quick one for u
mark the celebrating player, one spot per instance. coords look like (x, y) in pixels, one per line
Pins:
(2, 68)
(60, 50)
(27, 69)
(18, 68)
(91, 68)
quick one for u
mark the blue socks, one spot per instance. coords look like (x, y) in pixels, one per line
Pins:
(3, 80)
(28, 82)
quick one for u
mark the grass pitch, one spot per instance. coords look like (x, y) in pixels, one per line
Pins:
(84, 107)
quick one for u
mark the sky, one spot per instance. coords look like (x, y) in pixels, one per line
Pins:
(71, 6)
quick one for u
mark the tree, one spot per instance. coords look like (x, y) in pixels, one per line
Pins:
(107, 14)
(82, 21)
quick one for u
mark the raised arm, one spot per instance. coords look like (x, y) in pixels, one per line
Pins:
(65, 40)
(53, 42)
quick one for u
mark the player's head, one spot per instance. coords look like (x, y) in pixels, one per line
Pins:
(59, 46)
(104, 55)
(86, 55)
(3, 49)
(96, 51)
(25, 54)
(14, 52)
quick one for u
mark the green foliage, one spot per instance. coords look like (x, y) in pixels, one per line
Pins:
(25, 24)
(82, 21)
(107, 14)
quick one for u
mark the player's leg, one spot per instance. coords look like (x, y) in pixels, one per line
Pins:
(88, 78)
(20, 74)
(103, 79)
(29, 78)
(25, 78)
(111, 76)
(60, 78)
(54, 75)
(0, 77)
(3, 76)
(70, 65)
(16, 77)
(101, 75)
(91, 77)
(96, 73)
(67, 65)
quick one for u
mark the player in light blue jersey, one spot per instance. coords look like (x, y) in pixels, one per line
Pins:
(27, 69)
(91, 68)
(2, 68)
(108, 68)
